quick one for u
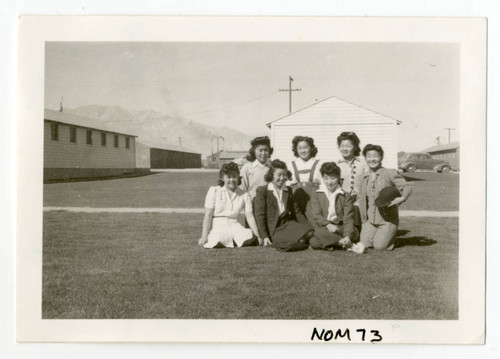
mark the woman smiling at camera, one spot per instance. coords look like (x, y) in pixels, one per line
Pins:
(223, 204)
(332, 211)
(305, 171)
(381, 191)
(278, 221)
(352, 166)
(253, 172)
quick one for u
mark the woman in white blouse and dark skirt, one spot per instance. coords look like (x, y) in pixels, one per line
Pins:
(223, 204)
(278, 221)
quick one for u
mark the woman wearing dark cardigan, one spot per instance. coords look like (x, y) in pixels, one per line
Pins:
(278, 221)
(331, 210)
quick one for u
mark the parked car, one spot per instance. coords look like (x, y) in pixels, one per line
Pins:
(422, 161)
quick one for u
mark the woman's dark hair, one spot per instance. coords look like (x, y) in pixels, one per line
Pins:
(310, 142)
(258, 141)
(227, 169)
(330, 169)
(351, 136)
(370, 147)
(276, 164)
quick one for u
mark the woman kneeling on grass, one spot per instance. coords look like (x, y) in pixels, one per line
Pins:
(380, 219)
(332, 211)
(223, 204)
(278, 221)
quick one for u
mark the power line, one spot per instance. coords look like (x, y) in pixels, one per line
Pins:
(210, 110)
(232, 105)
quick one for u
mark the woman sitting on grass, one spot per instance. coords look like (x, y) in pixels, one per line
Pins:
(380, 220)
(332, 211)
(223, 204)
(278, 221)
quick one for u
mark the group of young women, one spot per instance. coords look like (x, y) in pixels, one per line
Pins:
(349, 204)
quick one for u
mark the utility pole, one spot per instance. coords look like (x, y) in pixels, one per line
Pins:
(212, 149)
(180, 141)
(218, 148)
(61, 105)
(290, 93)
(223, 143)
(437, 139)
(449, 133)
(218, 153)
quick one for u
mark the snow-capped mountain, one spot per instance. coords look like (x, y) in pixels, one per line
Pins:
(157, 127)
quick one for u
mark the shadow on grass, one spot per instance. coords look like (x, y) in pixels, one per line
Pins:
(414, 241)
(106, 178)
(411, 241)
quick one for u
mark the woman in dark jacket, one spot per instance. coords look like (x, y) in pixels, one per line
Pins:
(278, 221)
(331, 210)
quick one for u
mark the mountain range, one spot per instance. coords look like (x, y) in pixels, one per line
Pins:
(156, 127)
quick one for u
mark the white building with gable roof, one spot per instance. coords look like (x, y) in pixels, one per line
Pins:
(325, 120)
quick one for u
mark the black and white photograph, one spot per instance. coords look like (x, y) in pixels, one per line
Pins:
(320, 181)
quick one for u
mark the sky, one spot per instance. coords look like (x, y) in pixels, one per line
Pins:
(237, 84)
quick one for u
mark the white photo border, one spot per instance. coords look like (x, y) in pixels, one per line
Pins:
(34, 31)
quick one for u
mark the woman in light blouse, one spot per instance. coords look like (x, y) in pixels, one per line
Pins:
(253, 172)
(379, 224)
(223, 204)
(306, 177)
(352, 166)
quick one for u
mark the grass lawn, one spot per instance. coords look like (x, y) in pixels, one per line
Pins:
(431, 191)
(171, 189)
(149, 266)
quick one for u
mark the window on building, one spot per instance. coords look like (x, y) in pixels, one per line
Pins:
(89, 137)
(54, 132)
(72, 134)
(127, 142)
(116, 140)
(103, 138)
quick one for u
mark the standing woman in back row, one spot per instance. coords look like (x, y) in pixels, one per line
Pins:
(352, 166)
(306, 176)
(254, 171)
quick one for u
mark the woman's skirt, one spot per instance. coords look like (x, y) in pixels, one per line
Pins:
(227, 232)
(288, 233)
